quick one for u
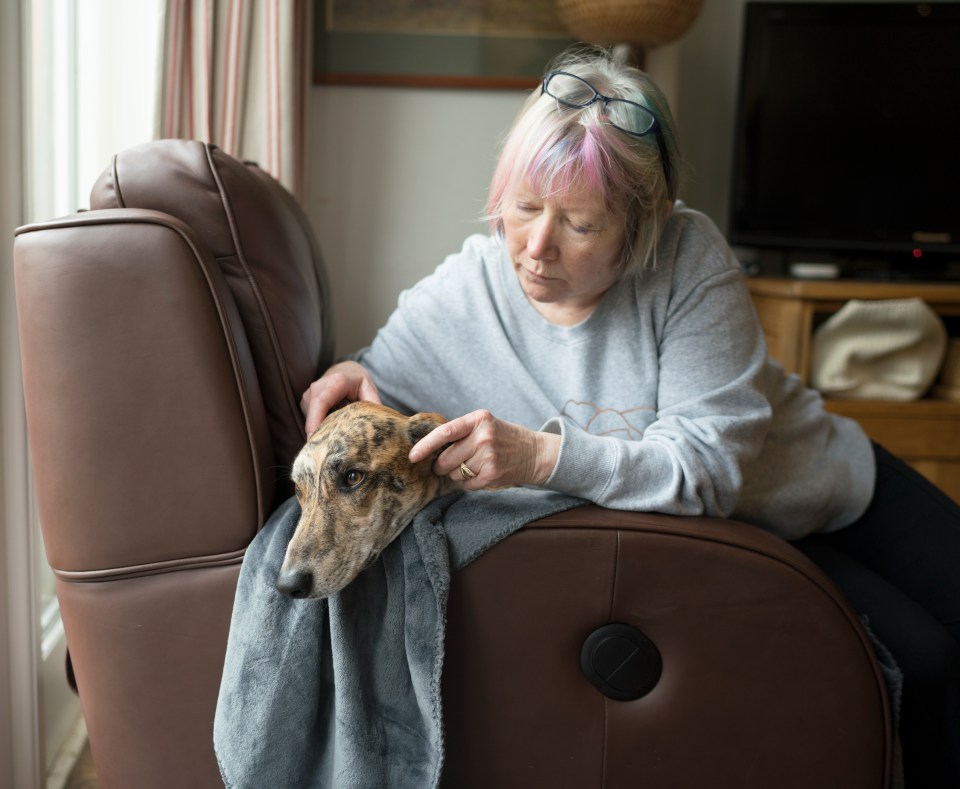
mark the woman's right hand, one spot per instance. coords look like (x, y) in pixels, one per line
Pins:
(343, 381)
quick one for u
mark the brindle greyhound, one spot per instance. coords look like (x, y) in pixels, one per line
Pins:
(357, 491)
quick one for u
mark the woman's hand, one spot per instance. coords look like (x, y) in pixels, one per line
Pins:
(499, 454)
(343, 381)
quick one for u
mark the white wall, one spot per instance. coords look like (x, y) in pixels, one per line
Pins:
(707, 68)
(396, 180)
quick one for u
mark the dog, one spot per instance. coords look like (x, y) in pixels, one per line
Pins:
(357, 491)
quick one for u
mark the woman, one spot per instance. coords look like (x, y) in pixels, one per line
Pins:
(608, 329)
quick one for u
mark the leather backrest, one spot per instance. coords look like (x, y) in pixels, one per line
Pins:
(148, 433)
(269, 256)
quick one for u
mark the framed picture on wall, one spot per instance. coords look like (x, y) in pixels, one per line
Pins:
(439, 43)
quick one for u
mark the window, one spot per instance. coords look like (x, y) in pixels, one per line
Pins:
(90, 87)
(93, 91)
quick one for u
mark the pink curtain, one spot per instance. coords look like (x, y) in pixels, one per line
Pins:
(237, 73)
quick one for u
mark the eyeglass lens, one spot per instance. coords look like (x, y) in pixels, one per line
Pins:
(571, 89)
(627, 115)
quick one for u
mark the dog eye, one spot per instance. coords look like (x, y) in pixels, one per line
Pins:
(353, 478)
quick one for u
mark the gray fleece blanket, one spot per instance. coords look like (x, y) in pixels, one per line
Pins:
(345, 692)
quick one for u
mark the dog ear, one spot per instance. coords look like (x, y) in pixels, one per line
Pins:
(421, 424)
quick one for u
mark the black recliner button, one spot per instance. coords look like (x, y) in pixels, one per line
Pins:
(621, 662)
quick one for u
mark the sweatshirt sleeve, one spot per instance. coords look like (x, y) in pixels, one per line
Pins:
(420, 359)
(711, 415)
(399, 355)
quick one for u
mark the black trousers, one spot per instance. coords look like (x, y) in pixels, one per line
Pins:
(899, 565)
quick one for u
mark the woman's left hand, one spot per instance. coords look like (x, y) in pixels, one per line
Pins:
(499, 454)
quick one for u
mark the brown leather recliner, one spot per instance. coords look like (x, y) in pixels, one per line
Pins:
(167, 335)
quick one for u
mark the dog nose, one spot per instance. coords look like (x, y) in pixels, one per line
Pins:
(295, 583)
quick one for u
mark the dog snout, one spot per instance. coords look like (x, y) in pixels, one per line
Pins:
(295, 583)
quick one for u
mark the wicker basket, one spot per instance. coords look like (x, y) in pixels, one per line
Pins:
(643, 23)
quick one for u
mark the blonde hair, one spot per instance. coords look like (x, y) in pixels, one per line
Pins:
(552, 146)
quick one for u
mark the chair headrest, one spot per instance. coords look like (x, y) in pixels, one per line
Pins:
(268, 253)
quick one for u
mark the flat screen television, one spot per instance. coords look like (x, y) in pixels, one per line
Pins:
(847, 137)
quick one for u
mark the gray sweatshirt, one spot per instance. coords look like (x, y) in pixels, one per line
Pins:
(664, 398)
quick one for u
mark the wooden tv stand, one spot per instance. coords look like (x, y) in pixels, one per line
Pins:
(925, 433)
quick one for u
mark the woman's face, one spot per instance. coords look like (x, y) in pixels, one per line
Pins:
(565, 250)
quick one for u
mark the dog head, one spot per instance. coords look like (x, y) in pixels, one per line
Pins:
(357, 491)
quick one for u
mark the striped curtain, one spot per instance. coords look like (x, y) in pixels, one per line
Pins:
(237, 73)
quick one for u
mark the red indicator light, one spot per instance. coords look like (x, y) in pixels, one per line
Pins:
(918, 253)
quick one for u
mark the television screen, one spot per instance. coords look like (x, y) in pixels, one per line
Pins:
(848, 130)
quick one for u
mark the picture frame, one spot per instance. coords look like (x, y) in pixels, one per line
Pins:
(444, 43)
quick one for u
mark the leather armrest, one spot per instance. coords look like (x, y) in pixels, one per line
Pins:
(768, 679)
